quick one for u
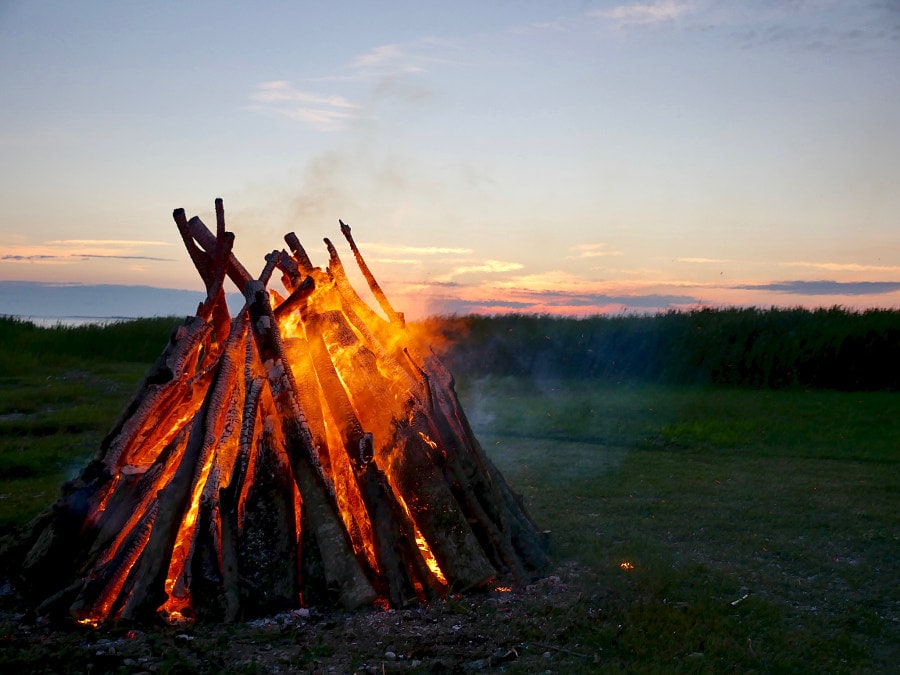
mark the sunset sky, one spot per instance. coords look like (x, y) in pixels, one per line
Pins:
(533, 156)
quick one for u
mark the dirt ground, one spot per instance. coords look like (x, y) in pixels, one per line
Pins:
(497, 629)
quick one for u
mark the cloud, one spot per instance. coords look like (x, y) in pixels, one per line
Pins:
(560, 25)
(13, 258)
(826, 287)
(107, 242)
(121, 257)
(592, 251)
(395, 58)
(398, 261)
(64, 251)
(821, 26)
(280, 91)
(391, 57)
(385, 67)
(70, 257)
(323, 112)
(554, 280)
(400, 249)
(843, 267)
(643, 14)
(488, 267)
(491, 300)
(704, 261)
(811, 25)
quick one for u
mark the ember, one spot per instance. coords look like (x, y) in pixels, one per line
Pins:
(304, 451)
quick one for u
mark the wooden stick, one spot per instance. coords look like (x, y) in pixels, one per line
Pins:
(299, 252)
(393, 316)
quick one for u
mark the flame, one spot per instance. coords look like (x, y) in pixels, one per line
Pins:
(424, 548)
(179, 598)
(625, 565)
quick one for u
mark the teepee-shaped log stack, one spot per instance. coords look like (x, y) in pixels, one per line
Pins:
(304, 450)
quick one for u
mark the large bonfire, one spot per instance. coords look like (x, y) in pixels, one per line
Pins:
(306, 451)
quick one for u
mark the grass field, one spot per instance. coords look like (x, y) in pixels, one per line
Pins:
(60, 390)
(708, 529)
(722, 528)
(50, 425)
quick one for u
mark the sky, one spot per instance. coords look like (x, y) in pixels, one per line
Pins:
(512, 156)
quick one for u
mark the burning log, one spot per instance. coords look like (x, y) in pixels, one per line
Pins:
(300, 452)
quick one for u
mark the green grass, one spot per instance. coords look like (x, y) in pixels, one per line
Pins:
(50, 425)
(60, 390)
(788, 497)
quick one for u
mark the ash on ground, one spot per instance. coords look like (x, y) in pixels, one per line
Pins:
(499, 628)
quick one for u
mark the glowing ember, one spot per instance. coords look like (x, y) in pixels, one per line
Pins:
(304, 449)
(625, 565)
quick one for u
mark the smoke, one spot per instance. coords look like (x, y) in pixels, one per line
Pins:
(370, 172)
(323, 191)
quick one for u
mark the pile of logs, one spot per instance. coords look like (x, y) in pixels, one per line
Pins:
(305, 451)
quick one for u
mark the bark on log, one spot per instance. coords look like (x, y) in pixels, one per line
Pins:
(345, 288)
(148, 592)
(299, 252)
(168, 384)
(342, 569)
(525, 536)
(421, 485)
(267, 558)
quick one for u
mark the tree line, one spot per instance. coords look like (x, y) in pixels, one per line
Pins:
(830, 348)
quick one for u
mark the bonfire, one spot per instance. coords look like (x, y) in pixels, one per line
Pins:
(307, 451)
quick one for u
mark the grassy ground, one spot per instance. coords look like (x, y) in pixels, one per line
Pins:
(60, 390)
(724, 529)
(51, 422)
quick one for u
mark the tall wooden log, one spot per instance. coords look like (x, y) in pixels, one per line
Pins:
(393, 316)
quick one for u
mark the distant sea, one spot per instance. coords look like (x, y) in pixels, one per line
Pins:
(48, 304)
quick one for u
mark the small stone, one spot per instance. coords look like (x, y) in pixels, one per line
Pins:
(547, 655)
(390, 656)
